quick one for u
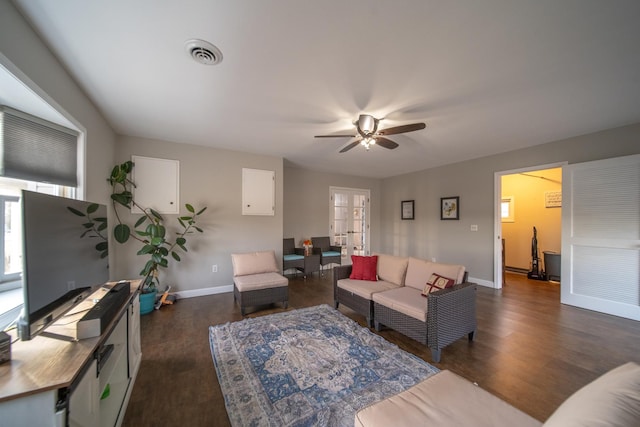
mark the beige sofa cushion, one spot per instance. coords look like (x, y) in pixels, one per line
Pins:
(612, 400)
(254, 263)
(419, 271)
(365, 288)
(392, 268)
(444, 399)
(254, 282)
(406, 300)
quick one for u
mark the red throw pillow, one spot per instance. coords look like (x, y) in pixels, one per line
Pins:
(437, 282)
(364, 267)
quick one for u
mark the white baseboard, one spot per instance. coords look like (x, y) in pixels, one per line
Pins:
(204, 291)
(482, 282)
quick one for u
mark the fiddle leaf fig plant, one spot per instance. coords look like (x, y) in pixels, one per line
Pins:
(149, 230)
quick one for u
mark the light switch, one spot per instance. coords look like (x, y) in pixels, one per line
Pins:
(474, 227)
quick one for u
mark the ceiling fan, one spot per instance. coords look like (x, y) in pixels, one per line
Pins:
(368, 133)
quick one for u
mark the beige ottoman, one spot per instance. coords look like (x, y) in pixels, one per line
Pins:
(444, 399)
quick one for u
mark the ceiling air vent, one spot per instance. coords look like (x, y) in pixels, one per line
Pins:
(203, 52)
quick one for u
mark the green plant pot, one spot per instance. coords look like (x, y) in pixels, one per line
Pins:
(147, 302)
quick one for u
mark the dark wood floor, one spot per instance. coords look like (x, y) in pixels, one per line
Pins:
(530, 350)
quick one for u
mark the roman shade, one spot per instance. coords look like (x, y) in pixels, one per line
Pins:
(34, 149)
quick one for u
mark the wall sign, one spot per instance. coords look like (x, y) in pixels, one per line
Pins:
(553, 199)
(406, 209)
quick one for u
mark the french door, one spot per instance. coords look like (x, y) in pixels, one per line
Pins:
(349, 221)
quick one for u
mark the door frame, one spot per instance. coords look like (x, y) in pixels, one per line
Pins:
(367, 192)
(497, 220)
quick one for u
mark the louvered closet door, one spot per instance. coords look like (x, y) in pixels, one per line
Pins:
(601, 236)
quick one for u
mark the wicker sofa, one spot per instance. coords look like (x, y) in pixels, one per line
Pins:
(395, 300)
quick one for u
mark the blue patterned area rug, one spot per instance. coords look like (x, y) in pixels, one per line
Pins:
(307, 367)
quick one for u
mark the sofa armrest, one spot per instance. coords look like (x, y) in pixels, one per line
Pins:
(298, 251)
(451, 313)
(335, 248)
(340, 272)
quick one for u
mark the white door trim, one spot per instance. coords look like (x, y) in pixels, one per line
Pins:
(497, 221)
(363, 191)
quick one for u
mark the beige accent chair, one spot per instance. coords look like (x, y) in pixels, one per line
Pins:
(257, 281)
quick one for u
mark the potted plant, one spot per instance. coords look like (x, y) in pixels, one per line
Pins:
(149, 230)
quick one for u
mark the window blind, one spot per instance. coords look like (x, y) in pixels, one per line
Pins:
(34, 149)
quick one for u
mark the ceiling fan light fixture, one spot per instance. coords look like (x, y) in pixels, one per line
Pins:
(367, 124)
(368, 133)
(368, 142)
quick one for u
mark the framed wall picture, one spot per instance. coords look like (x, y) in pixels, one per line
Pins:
(406, 209)
(450, 207)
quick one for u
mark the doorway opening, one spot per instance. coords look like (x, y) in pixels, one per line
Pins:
(527, 198)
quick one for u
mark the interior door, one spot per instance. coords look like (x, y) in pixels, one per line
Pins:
(349, 222)
(600, 263)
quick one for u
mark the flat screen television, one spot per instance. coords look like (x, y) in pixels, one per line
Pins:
(64, 257)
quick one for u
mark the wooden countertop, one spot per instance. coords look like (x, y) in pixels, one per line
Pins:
(44, 363)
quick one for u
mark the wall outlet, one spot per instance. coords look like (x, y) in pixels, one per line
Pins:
(474, 227)
(214, 268)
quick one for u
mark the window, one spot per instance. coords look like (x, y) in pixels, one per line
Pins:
(11, 239)
(11, 295)
(507, 209)
(35, 155)
(10, 223)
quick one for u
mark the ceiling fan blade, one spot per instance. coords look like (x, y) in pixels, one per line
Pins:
(350, 146)
(402, 129)
(335, 136)
(386, 143)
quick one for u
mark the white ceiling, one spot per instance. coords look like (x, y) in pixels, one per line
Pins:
(486, 76)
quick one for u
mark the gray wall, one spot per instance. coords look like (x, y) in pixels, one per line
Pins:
(213, 178)
(473, 181)
(307, 204)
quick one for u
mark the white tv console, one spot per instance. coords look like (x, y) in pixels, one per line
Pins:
(82, 383)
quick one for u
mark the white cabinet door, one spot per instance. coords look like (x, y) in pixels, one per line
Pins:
(84, 409)
(135, 350)
(157, 184)
(258, 192)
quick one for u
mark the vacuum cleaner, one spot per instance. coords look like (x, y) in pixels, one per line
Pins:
(535, 273)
